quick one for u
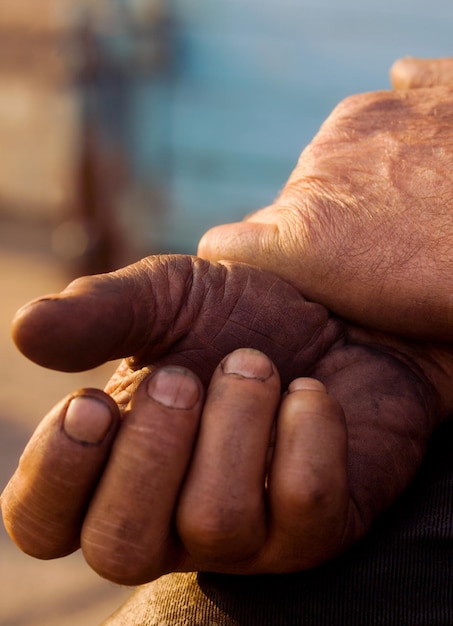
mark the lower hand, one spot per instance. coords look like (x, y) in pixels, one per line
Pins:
(188, 486)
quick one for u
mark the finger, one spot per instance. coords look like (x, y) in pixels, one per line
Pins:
(127, 535)
(307, 486)
(410, 73)
(262, 240)
(175, 310)
(244, 242)
(44, 503)
(277, 239)
(221, 517)
(100, 318)
(391, 411)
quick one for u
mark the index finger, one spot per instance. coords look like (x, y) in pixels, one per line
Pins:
(44, 503)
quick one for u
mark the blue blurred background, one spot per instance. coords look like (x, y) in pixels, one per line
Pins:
(167, 117)
(211, 102)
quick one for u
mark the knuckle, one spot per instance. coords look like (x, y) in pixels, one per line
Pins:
(120, 558)
(223, 534)
(312, 497)
(208, 532)
(315, 498)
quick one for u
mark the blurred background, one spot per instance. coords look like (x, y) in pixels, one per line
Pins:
(129, 127)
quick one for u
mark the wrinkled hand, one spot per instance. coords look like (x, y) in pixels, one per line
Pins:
(364, 224)
(175, 472)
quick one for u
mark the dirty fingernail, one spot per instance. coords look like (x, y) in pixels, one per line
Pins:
(87, 420)
(249, 364)
(311, 384)
(174, 388)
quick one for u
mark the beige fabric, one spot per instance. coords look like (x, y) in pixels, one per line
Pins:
(175, 599)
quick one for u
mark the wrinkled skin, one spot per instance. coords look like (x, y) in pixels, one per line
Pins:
(146, 517)
(364, 224)
(190, 483)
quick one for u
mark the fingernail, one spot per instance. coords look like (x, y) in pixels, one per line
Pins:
(174, 388)
(87, 420)
(248, 363)
(310, 384)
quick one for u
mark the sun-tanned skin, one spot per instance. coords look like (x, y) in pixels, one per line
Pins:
(364, 223)
(183, 487)
(178, 458)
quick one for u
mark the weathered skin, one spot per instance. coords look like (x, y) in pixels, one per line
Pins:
(165, 306)
(188, 312)
(364, 224)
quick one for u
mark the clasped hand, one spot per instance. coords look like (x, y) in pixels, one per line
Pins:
(193, 459)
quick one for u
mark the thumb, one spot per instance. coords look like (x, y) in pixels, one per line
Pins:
(175, 309)
(274, 240)
(104, 317)
(252, 242)
(410, 73)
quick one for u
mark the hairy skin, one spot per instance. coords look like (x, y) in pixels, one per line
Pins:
(364, 224)
(184, 311)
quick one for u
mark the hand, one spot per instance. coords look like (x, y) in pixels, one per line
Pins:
(159, 507)
(180, 483)
(364, 224)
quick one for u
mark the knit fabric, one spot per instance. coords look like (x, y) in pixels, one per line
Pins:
(400, 575)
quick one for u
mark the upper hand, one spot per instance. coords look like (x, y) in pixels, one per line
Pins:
(364, 224)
